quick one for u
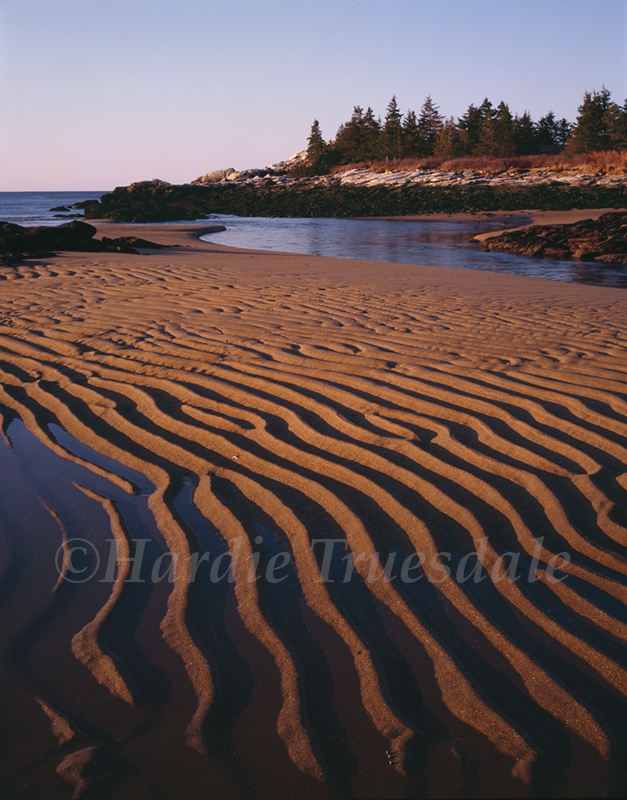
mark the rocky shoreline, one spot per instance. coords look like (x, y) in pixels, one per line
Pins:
(158, 201)
(603, 240)
(18, 243)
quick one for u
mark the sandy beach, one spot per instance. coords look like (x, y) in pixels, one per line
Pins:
(209, 399)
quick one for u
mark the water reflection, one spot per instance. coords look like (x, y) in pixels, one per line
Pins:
(439, 243)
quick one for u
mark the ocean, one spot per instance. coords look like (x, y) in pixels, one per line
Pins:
(37, 208)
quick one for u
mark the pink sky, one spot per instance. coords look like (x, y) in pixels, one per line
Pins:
(99, 93)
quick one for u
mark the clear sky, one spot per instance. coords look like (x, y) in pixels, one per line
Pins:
(99, 93)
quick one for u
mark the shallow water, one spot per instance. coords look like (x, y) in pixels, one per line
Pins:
(439, 243)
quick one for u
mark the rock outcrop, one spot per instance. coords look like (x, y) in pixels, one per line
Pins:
(216, 176)
(151, 201)
(603, 240)
(281, 170)
(18, 243)
(159, 202)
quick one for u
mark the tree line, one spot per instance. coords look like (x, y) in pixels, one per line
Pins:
(484, 130)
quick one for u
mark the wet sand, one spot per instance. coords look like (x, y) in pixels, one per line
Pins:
(220, 401)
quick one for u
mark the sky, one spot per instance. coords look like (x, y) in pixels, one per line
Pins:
(100, 93)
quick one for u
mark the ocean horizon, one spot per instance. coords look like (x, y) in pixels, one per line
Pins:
(38, 208)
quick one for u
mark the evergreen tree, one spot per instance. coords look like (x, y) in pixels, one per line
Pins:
(317, 151)
(503, 132)
(411, 135)
(429, 126)
(486, 145)
(348, 140)
(563, 131)
(470, 130)
(615, 119)
(371, 148)
(315, 143)
(392, 130)
(524, 135)
(546, 132)
(482, 131)
(551, 133)
(448, 144)
(590, 131)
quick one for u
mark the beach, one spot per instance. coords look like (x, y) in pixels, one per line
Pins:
(218, 401)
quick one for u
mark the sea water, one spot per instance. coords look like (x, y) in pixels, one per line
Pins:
(437, 242)
(36, 208)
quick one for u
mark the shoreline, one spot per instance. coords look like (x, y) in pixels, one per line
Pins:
(154, 201)
(504, 222)
(219, 399)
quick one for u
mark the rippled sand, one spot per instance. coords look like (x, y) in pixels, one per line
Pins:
(208, 400)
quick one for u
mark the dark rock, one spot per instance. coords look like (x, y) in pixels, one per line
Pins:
(7, 228)
(76, 228)
(556, 252)
(152, 201)
(585, 255)
(86, 204)
(613, 258)
(132, 241)
(18, 243)
(60, 208)
(603, 240)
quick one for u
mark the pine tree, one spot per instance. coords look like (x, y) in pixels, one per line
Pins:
(470, 129)
(349, 138)
(371, 134)
(503, 132)
(590, 131)
(524, 135)
(546, 132)
(411, 135)
(615, 119)
(392, 131)
(448, 144)
(486, 145)
(429, 126)
(315, 143)
(317, 151)
(563, 131)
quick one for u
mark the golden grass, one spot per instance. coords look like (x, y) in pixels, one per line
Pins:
(602, 162)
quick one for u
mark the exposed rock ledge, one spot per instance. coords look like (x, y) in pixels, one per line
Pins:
(603, 240)
(18, 243)
(279, 175)
(158, 201)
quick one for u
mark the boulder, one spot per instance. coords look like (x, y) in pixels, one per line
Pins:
(86, 204)
(216, 176)
(75, 229)
(8, 228)
(18, 243)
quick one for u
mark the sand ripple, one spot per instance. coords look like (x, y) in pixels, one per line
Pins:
(395, 411)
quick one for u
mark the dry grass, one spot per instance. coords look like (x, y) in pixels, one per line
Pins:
(603, 162)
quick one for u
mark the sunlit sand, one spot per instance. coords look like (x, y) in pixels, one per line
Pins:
(399, 408)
